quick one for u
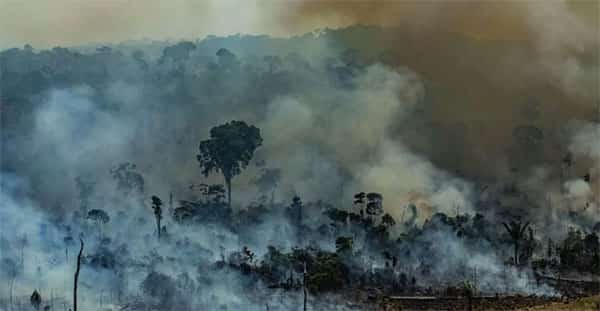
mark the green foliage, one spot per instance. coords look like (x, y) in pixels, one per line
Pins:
(579, 252)
(387, 220)
(98, 216)
(157, 207)
(129, 181)
(229, 150)
(337, 215)
(159, 287)
(296, 211)
(327, 273)
(374, 204)
(468, 288)
(343, 245)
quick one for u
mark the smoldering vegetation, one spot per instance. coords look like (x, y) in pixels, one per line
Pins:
(345, 183)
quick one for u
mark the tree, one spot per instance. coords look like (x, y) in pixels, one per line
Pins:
(216, 193)
(77, 275)
(296, 211)
(374, 204)
(179, 51)
(304, 291)
(36, 300)
(516, 230)
(157, 207)
(359, 202)
(226, 58)
(213, 194)
(100, 217)
(273, 62)
(129, 181)
(468, 290)
(229, 150)
(160, 287)
(387, 220)
(343, 244)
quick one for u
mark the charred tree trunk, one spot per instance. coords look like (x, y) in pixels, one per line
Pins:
(304, 286)
(77, 276)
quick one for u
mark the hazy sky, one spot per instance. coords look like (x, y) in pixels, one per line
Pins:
(48, 23)
(45, 23)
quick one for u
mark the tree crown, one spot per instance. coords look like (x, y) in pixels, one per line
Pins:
(229, 148)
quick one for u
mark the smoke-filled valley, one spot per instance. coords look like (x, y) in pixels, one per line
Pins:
(324, 171)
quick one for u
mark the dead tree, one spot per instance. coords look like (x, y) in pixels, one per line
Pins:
(516, 230)
(77, 275)
(304, 285)
(468, 291)
(157, 207)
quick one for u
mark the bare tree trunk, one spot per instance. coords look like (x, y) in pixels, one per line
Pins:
(304, 286)
(304, 298)
(470, 302)
(77, 276)
(516, 253)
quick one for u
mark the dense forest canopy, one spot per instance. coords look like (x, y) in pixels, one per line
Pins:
(352, 164)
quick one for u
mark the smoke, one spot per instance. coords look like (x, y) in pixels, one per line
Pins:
(444, 110)
(493, 66)
(84, 130)
(305, 134)
(70, 23)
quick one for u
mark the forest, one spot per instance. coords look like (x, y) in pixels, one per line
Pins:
(324, 171)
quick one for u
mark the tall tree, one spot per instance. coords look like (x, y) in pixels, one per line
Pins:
(229, 150)
(304, 290)
(129, 181)
(100, 217)
(157, 207)
(516, 230)
(296, 209)
(77, 275)
(374, 204)
(359, 201)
